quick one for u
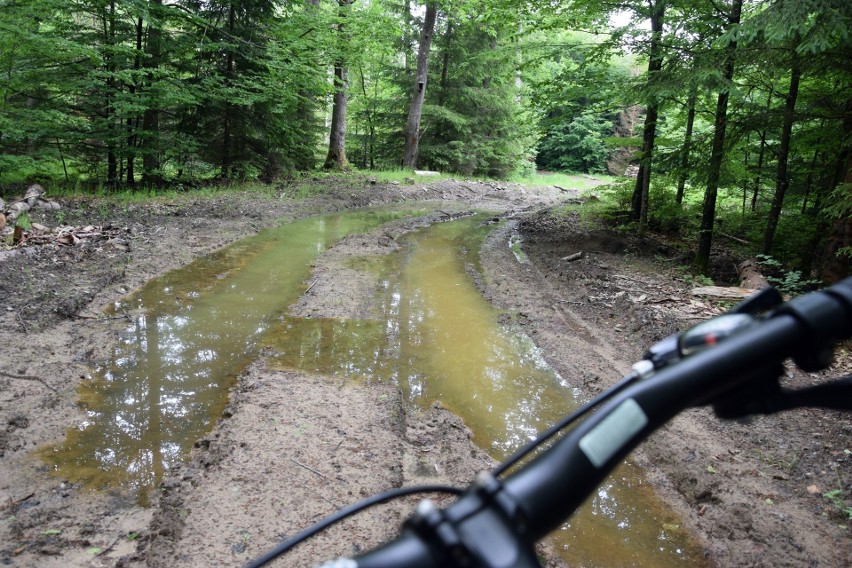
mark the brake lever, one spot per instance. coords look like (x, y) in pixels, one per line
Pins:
(835, 395)
(679, 345)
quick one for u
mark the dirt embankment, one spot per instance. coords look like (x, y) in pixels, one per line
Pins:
(753, 494)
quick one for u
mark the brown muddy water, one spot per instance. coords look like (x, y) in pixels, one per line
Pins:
(196, 328)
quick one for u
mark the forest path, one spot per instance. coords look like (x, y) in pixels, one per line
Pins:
(752, 493)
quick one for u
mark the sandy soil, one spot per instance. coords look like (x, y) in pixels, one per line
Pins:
(753, 494)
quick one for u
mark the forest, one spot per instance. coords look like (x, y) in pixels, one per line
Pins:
(716, 118)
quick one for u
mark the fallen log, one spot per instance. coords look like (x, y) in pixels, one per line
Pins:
(573, 257)
(33, 198)
(16, 209)
(750, 275)
(723, 292)
(733, 238)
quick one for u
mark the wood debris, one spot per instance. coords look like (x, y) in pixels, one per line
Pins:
(17, 237)
(64, 236)
(34, 198)
(727, 293)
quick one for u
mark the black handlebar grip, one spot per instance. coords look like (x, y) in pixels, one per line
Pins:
(827, 317)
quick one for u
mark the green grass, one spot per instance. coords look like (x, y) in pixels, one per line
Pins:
(568, 181)
(23, 221)
(174, 191)
(387, 176)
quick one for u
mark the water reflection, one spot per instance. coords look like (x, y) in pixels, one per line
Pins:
(192, 332)
(454, 350)
(442, 341)
(343, 348)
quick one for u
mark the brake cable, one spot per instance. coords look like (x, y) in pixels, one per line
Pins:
(555, 429)
(338, 516)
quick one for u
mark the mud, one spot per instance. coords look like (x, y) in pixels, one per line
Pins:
(293, 447)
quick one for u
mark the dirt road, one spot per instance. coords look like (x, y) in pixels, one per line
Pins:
(752, 494)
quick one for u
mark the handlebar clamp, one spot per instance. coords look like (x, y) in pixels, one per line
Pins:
(455, 534)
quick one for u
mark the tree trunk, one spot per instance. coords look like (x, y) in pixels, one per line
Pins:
(641, 191)
(809, 182)
(687, 145)
(835, 266)
(369, 149)
(750, 275)
(705, 235)
(151, 175)
(782, 180)
(109, 33)
(760, 156)
(412, 126)
(746, 156)
(813, 256)
(445, 63)
(759, 167)
(336, 158)
(131, 136)
(229, 77)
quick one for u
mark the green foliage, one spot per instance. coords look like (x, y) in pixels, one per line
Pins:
(839, 206)
(23, 221)
(104, 94)
(577, 87)
(693, 280)
(836, 498)
(474, 123)
(787, 281)
(666, 215)
(184, 91)
(576, 145)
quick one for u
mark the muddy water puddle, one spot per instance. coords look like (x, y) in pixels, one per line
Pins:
(193, 331)
(441, 341)
(196, 329)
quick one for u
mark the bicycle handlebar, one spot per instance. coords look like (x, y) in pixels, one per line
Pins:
(495, 522)
(596, 446)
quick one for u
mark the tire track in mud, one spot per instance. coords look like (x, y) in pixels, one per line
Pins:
(577, 350)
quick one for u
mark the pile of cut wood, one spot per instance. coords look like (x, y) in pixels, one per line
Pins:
(14, 236)
(33, 199)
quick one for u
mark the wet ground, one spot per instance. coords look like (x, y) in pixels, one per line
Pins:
(753, 494)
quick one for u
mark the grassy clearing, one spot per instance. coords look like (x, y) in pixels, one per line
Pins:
(401, 176)
(580, 182)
